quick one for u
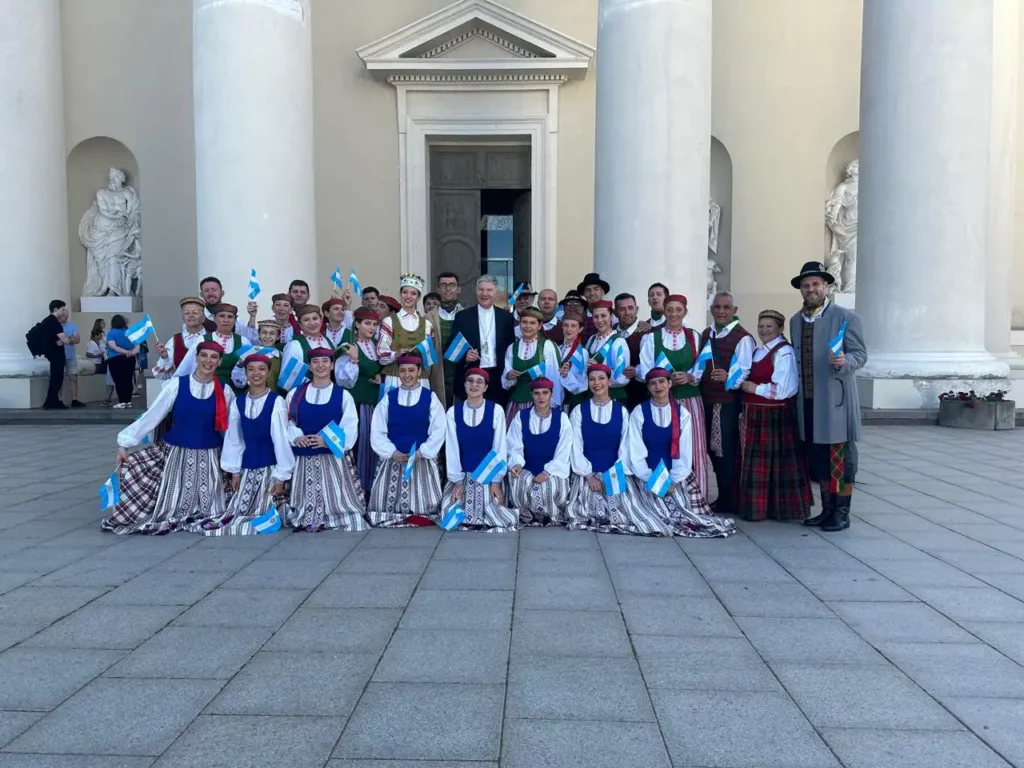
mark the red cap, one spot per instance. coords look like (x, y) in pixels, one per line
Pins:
(677, 297)
(601, 305)
(257, 359)
(479, 372)
(333, 301)
(659, 373)
(321, 352)
(365, 314)
(392, 302)
(599, 367)
(542, 384)
(210, 346)
(410, 360)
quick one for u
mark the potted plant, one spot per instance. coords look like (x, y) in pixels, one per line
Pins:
(969, 410)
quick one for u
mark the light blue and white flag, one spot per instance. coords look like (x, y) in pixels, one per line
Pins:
(663, 362)
(457, 349)
(537, 372)
(410, 463)
(619, 365)
(702, 360)
(735, 372)
(605, 352)
(139, 332)
(265, 351)
(426, 350)
(336, 278)
(453, 518)
(110, 492)
(357, 288)
(660, 480)
(836, 345)
(489, 470)
(515, 295)
(293, 374)
(384, 389)
(614, 479)
(334, 438)
(579, 359)
(254, 285)
(559, 313)
(269, 522)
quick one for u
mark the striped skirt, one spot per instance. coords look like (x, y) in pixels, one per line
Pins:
(771, 476)
(483, 512)
(365, 456)
(395, 503)
(686, 511)
(140, 477)
(540, 503)
(695, 407)
(252, 499)
(626, 512)
(326, 495)
(513, 409)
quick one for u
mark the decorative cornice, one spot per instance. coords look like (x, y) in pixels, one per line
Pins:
(468, 35)
(474, 77)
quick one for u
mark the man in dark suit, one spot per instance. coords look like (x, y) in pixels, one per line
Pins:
(490, 331)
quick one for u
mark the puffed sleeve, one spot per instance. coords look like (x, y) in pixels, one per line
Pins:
(637, 446)
(559, 466)
(384, 342)
(624, 439)
(514, 443)
(132, 435)
(580, 463)
(379, 440)
(506, 382)
(646, 356)
(437, 431)
(500, 442)
(234, 444)
(164, 367)
(453, 459)
(294, 432)
(349, 421)
(784, 383)
(683, 466)
(346, 371)
(282, 445)
(551, 365)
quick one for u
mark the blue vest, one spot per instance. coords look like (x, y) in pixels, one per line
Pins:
(601, 441)
(408, 425)
(538, 450)
(474, 442)
(313, 418)
(192, 420)
(259, 447)
(657, 439)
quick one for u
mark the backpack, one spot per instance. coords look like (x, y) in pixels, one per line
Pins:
(35, 339)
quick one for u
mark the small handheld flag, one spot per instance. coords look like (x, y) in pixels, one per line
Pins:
(614, 479)
(453, 518)
(702, 360)
(660, 480)
(619, 367)
(457, 349)
(516, 293)
(735, 372)
(269, 522)
(293, 374)
(357, 289)
(663, 362)
(426, 350)
(836, 345)
(254, 285)
(410, 463)
(490, 468)
(579, 359)
(334, 438)
(266, 351)
(537, 372)
(559, 313)
(604, 352)
(110, 492)
(336, 278)
(139, 332)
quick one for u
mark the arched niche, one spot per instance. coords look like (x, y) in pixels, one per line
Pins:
(721, 193)
(87, 167)
(846, 150)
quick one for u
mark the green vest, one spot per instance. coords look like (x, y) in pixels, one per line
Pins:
(445, 332)
(304, 343)
(682, 360)
(521, 392)
(403, 339)
(227, 361)
(364, 392)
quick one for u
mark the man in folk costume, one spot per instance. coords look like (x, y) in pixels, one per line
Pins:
(176, 483)
(600, 439)
(772, 472)
(593, 289)
(171, 354)
(357, 370)
(311, 337)
(409, 421)
(828, 404)
(632, 329)
(656, 296)
(607, 347)
(490, 331)
(474, 429)
(212, 291)
(571, 377)
(235, 347)
(523, 301)
(257, 452)
(539, 457)
(442, 318)
(326, 492)
(336, 319)
(532, 350)
(401, 333)
(550, 324)
(722, 404)
(660, 431)
(681, 346)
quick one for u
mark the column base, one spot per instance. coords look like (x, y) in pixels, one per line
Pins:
(914, 380)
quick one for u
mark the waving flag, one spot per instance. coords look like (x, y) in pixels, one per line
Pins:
(265, 351)
(660, 481)
(336, 278)
(614, 479)
(490, 468)
(735, 372)
(457, 349)
(453, 518)
(663, 362)
(410, 463)
(604, 352)
(559, 313)
(110, 492)
(619, 366)
(334, 438)
(426, 350)
(293, 374)
(254, 286)
(579, 359)
(537, 372)
(270, 522)
(702, 360)
(139, 332)
(515, 294)
(357, 289)
(836, 345)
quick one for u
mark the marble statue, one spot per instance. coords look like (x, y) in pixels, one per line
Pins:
(841, 219)
(714, 221)
(713, 269)
(110, 231)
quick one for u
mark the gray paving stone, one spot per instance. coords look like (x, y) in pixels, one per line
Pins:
(925, 573)
(13, 579)
(327, 546)
(12, 634)
(209, 559)
(409, 764)
(92, 722)
(739, 545)
(343, 630)
(72, 761)
(106, 626)
(873, 550)
(476, 547)
(630, 550)
(568, 744)
(445, 656)
(470, 574)
(241, 742)
(826, 558)
(13, 724)
(364, 590)
(759, 570)
(199, 652)
(407, 721)
(163, 588)
(281, 574)
(827, 641)
(899, 623)
(655, 580)
(683, 616)
(700, 728)
(561, 562)
(1010, 583)
(458, 609)
(396, 538)
(243, 608)
(702, 664)
(380, 560)
(569, 633)
(954, 669)
(864, 585)
(44, 605)
(551, 688)
(867, 748)
(93, 572)
(972, 603)
(567, 593)
(978, 564)
(775, 600)
(1008, 638)
(556, 538)
(310, 683)
(41, 678)
(997, 721)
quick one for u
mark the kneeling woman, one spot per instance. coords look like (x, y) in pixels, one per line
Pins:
(408, 423)
(326, 492)
(599, 441)
(176, 484)
(539, 454)
(474, 429)
(660, 430)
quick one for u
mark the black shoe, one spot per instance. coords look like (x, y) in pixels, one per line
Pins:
(827, 507)
(840, 519)
(77, 404)
(54, 407)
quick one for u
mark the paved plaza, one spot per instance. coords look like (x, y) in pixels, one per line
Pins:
(897, 643)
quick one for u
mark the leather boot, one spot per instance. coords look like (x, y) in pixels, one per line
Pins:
(828, 505)
(840, 519)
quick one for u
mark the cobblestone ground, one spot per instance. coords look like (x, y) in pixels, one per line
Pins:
(897, 643)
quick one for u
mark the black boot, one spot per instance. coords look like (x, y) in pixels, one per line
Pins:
(828, 506)
(840, 519)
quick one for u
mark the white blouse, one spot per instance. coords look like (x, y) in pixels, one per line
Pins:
(601, 414)
(188, 364)
(293, 349)
(785, 381)
(744, 350)
(133, 434)
(335, 336)
(349, 421)
(436, 431)
(526, 350)
(164, 367)
(238, 372)
(234, 442)
(346, 370)
(410, 321)
(619, 351)
(471, 417)
(670, 341)
(662, 415)
(575, 381)
(560, 465)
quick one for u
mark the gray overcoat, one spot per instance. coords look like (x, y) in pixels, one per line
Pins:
(836, 401)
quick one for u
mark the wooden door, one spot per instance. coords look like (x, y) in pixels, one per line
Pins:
(455, 238)
(522, 235)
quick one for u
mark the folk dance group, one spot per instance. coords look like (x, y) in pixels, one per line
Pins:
(559, 416)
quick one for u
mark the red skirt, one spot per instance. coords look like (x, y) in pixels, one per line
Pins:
(771, 474)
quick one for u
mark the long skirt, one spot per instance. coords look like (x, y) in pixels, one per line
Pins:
(512, 410)
(771, 476)
(483, 512)
(139, 477)
(326, 494)
(625, 512)
(686, 511)
(365, 456)
(540, 503)
(252, 499)
(695, 407)
(395, 503)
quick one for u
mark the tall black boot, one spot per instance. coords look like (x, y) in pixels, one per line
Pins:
(828, 507)
(840, 520)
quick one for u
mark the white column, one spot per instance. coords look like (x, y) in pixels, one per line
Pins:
(252, 71)
(653, 146)
(925, 119)
(33, 187)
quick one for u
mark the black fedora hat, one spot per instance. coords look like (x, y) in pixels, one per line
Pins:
(573, 296)
(813, 269)
(593, 278)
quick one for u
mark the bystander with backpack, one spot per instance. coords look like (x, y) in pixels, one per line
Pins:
(47, 339)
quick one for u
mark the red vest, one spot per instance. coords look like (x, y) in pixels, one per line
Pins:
(761, 373)
(722, 350)
(179, 349)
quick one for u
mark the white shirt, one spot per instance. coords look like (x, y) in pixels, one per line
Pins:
(662, 415)
(348, 421)
(242, 327)
(94, 351)
(335, 336)
(656, 323)
(744, 350)
(471, 417)
(287, 332)
(785, 382)
(436, 431)
(619, 351)
(526, 350)
(238, 372)
(601, 414)
(293, 349)
(575, 381)
(670, 341)
(559, 466)
(188, 364)
(488, 337)
(132, 435)
(410, 321)
(346, 370)
(449, 316)
(234, 442)
(164, 368)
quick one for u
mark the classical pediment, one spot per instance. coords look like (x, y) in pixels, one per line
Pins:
(476, 38)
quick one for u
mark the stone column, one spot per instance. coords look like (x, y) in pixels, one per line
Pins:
(33, 186)
(653, 146)
(925, 124)
(252, 71)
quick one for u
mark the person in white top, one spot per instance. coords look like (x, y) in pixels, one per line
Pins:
(337, 318)
(608, 347)
(170, 355)
(312, 337)
(539, 457)
(573, 375)
(213, 295)
(403, 331)
(282, 308)
(490, 331)
(531, 357)
(236, 347)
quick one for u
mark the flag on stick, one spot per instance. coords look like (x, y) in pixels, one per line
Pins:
(334, 438)
(336, 278)
(410, 463)
(660, 480)
(836, 345)
(735, 372)
(490, 468)
(139, 332)
(426, 350)
(254, 285)
(293, 374)
(457, 349)
(614, 479)
(357, 288)
(453, 518)
(663, 362)
(269, 522)
(110, 492)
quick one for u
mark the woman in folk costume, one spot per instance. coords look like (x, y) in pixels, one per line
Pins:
(270, 347)
(171, 354)
(530, 351)
(336, 317)
(257, 453)
(771, 479)
(660, 431)
(226, 337)
(600, 440)
(358, 371)
(312, 337)
(607, 347)
(403, 331)
(539, 457)
(176, 484)
(681, 347)
(572, 377)
(408, 421)
(474, 429)
(326, 492)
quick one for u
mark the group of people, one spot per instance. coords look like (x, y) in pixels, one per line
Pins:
(372, 411)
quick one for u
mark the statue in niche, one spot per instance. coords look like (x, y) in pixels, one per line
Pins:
(714, 222)
(841, 219)
(110, 231)
(713, 269)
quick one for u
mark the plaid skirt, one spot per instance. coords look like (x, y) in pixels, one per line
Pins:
(139, 477)
(252, 499)
(483, 512)
(626, 512)
(395, 503)
(686, 511)
(326, 494)
(540, 503)
(771, 475)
